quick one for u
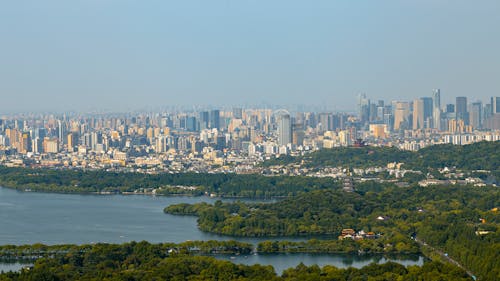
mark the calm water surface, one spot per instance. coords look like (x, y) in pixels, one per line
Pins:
(29, 217)
(11, 266)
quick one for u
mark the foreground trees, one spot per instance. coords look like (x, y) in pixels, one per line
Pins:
(144, 261)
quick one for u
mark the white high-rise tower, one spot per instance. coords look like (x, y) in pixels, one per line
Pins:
(436, 109)
(284, 127)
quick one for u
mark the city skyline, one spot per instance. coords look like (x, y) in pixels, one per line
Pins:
(124, 55)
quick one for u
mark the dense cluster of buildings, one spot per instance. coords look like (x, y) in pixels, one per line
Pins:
(236, 139)
(428, 113)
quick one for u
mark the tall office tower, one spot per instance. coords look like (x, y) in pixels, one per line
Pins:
(495, 103)
(215, 119)
(373, 112)
(428, 111)
(418, 114)
(183, 122)
(488, 111)
(475, 115)
(60, 131)
(436, 109)
(401, 115)
(203, 120)
(284, 128)
(363, 108)
(324, 120)
(238, 113)
(461, 109)
(335, 121)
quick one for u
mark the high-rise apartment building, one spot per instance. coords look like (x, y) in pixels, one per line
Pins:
(50, 145)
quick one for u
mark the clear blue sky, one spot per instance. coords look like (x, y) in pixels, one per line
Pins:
(123, 54)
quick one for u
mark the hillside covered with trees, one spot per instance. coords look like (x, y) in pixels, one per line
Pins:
(477, 156)
(462, 221)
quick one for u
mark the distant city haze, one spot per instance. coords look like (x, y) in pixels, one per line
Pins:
(119, 55)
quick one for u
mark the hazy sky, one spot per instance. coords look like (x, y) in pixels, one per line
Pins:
(122, 54)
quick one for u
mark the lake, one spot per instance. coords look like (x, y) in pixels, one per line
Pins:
(49, 218)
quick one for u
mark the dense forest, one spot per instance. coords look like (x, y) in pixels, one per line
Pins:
(144, 261)
(447, 217)
(477, 156)
(223, 185)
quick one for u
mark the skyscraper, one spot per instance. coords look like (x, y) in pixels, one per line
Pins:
(436, 109)
(324, 119)
(418, 114)
(475, 115)
(461, 109)
(401, 114)
(428, 104)
(61, 132)
(495, 102)
(363, 109)
(215, 119)
(284, 128)
(203, 120)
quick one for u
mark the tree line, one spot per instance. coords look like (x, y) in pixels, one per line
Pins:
(223, 185)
